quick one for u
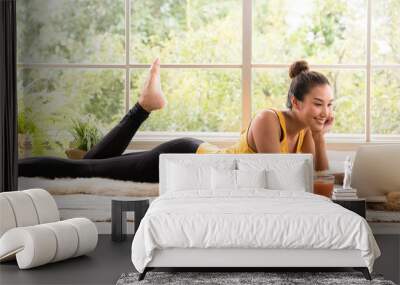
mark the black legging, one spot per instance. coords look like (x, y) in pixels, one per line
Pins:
(106, 159)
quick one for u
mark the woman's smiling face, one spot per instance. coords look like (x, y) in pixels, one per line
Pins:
(316, 107)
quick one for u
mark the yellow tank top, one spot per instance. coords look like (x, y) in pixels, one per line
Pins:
(242, 145)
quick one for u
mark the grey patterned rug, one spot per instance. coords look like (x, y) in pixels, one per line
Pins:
(273, 278)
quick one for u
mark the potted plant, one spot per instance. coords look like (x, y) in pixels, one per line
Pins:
(26, 128)
(85, 135)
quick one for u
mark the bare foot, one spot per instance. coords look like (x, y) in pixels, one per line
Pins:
(151, 97)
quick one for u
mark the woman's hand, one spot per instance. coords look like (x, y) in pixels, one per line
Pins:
(326, 128)
(328, 124)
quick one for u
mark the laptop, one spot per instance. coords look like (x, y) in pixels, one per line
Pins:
(376, 171)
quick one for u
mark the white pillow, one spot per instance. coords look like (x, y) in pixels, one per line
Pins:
(223, 179)
(281, 174)
(188, 177)
(251, 178)
(293, 180)
(227, 179)
(185, 175)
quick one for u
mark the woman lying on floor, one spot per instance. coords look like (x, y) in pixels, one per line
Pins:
(300, 128)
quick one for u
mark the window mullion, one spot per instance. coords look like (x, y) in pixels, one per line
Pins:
(246, 62)
(127, 60)
(368, 77)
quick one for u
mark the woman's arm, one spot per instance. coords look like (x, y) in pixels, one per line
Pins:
(314, 143)
(317, 147)
(321, 157)
(266, 132)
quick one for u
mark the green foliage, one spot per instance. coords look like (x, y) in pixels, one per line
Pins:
(85, 134)
(25, 125)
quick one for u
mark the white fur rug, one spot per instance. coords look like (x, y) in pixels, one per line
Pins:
(92, 186)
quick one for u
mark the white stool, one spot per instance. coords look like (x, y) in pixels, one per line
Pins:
(31, 230)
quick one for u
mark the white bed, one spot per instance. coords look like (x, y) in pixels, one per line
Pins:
(196, 224)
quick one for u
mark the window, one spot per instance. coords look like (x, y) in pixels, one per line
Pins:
(385, 76)
(223, 62)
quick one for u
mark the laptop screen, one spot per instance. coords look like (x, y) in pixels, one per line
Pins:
(376, 171)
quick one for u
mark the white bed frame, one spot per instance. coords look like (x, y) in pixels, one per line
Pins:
(250, 258)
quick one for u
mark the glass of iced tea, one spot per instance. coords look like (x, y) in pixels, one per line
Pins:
(323, 184)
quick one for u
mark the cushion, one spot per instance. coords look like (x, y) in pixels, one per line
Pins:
(226, 179)
(251, 178)
(35, 244)
(292, 181)
(26, 208)
(223, 179)
(281, 174)
(7, 215)
(184, 175)
(23, 208)
(45, 206)
(40, 244)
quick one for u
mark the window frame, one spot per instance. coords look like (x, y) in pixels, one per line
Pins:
(146, 139)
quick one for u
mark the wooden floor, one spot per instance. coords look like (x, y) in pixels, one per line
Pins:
(102, 266)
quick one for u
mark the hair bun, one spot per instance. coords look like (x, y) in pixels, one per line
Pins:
(298, 67)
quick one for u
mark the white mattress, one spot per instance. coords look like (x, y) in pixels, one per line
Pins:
(250, 219)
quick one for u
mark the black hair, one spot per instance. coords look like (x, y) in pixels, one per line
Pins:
(303, 80)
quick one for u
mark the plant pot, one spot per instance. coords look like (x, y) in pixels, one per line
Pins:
(24, 145)
(75, 153)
